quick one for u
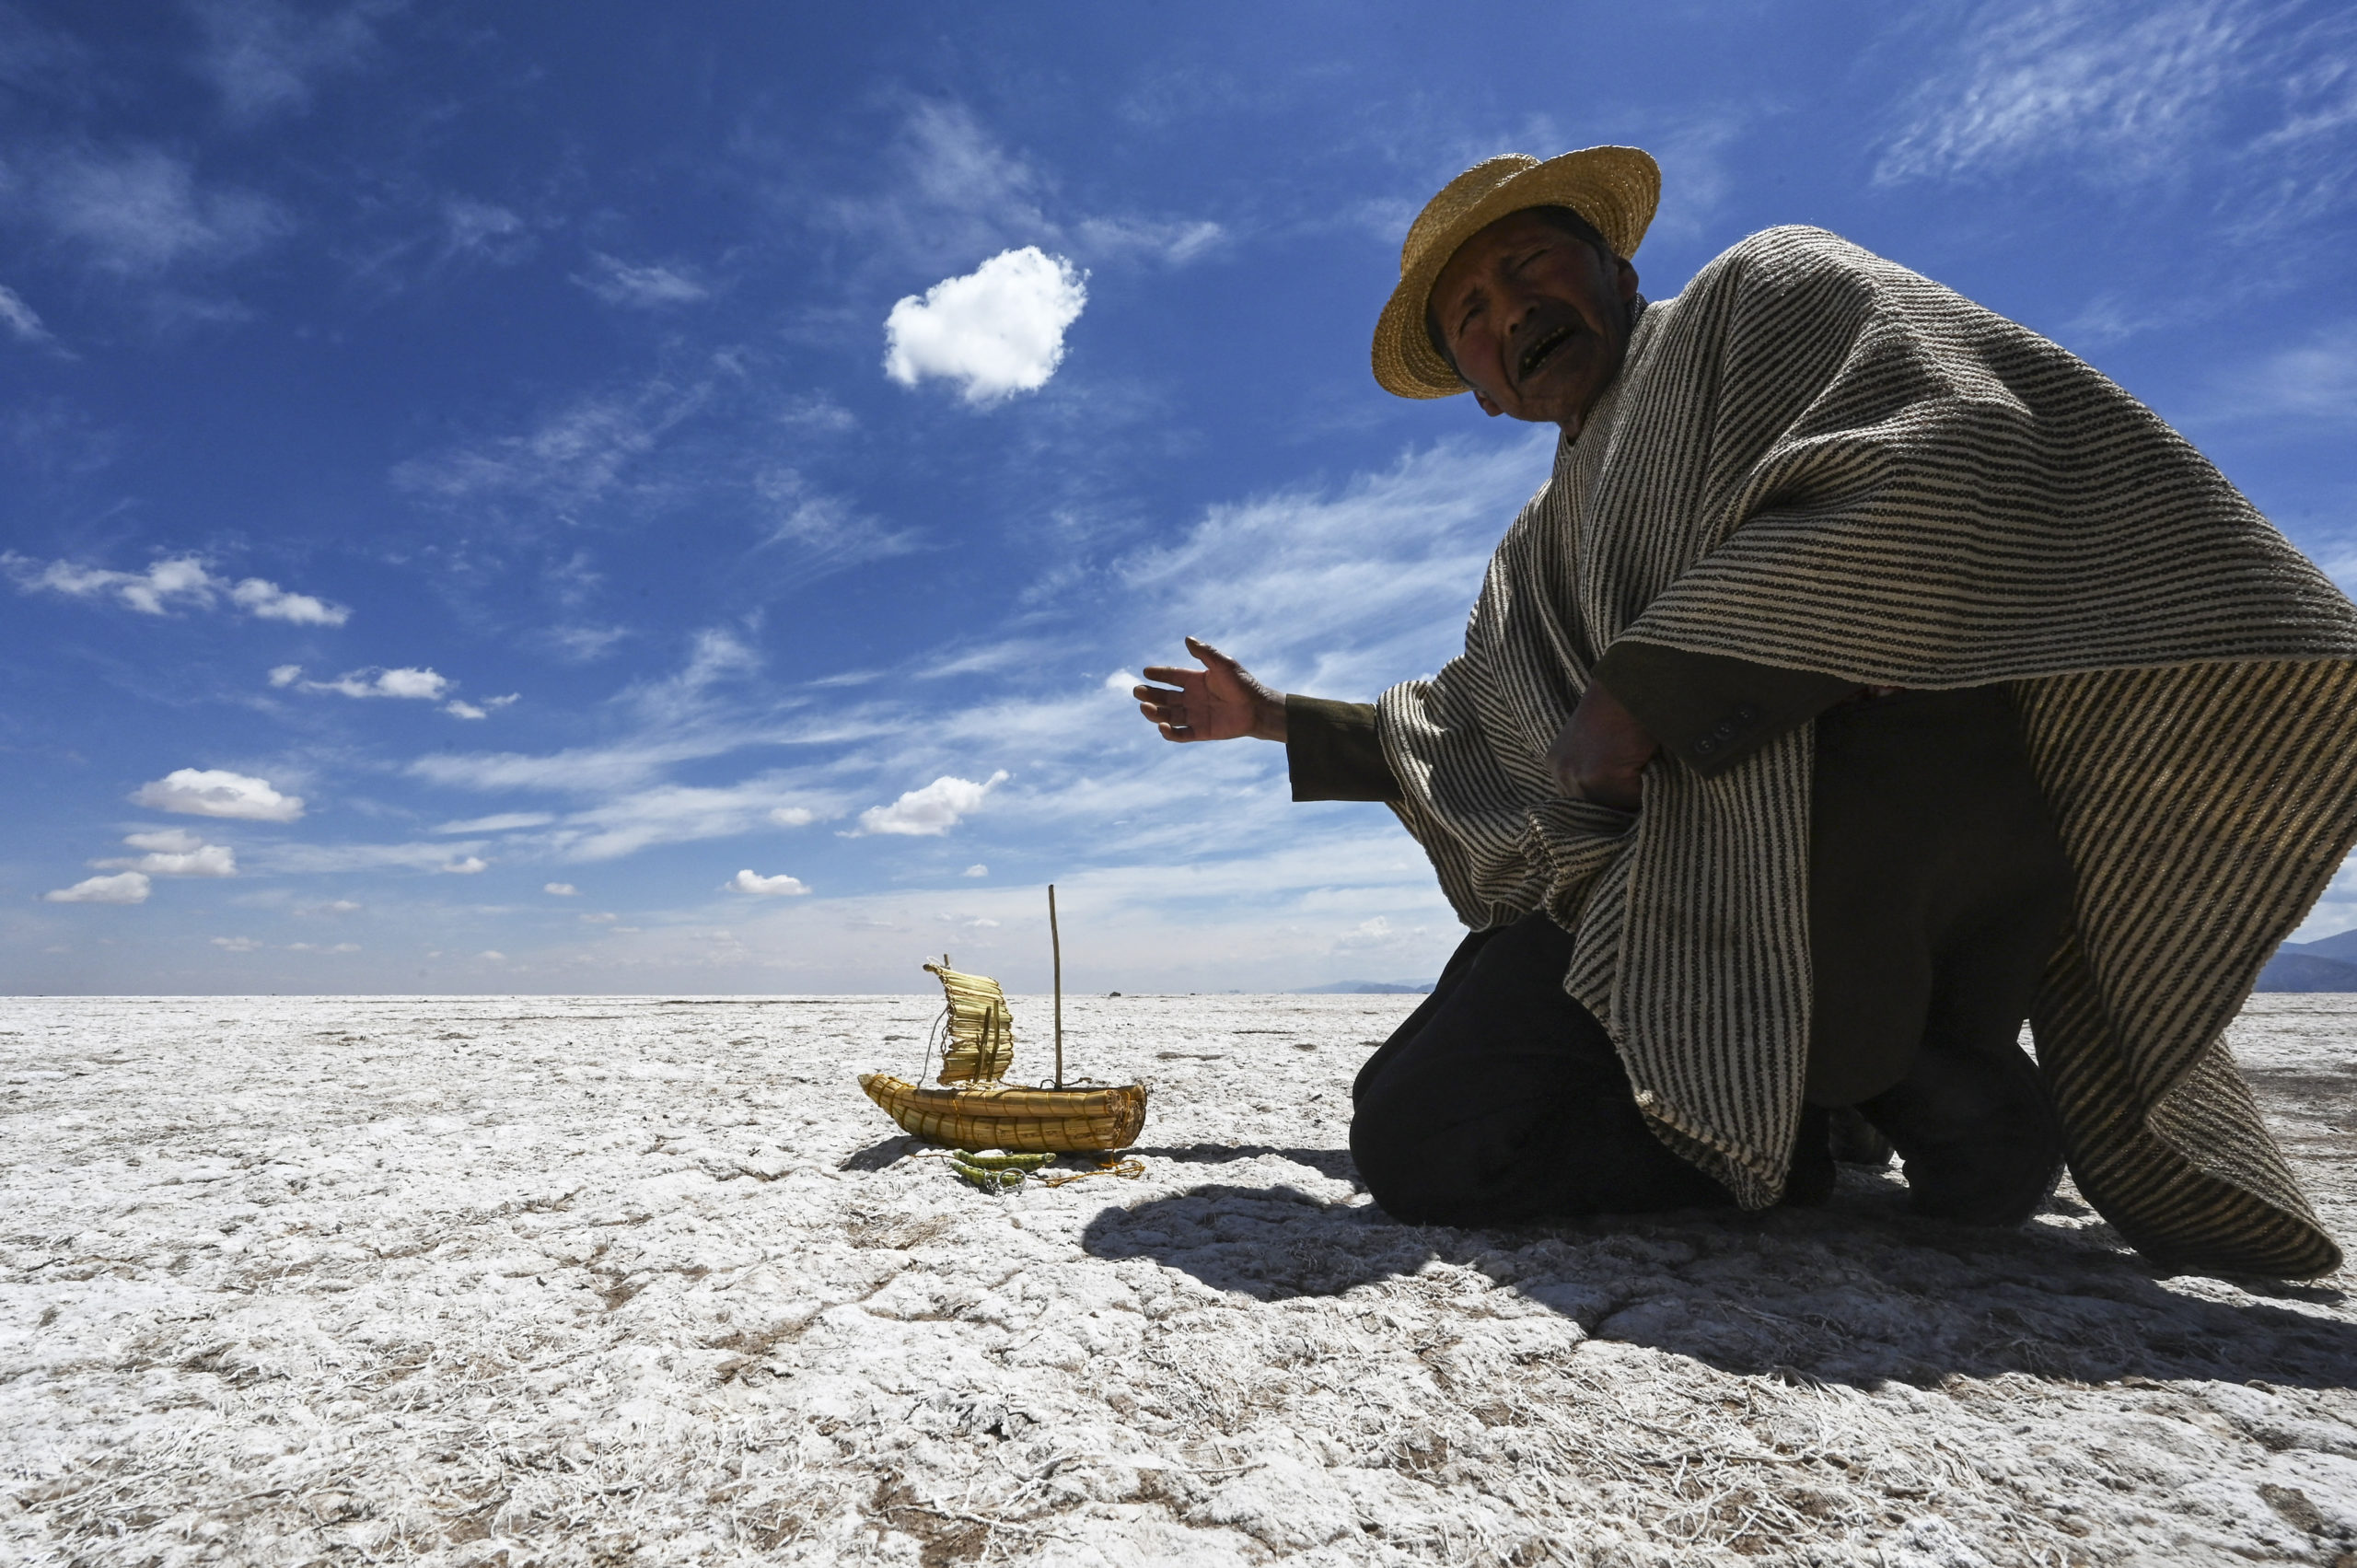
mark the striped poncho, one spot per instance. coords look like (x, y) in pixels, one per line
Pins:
(1816, 460)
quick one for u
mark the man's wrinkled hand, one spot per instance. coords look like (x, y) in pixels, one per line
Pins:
(1601, 754)
(1219, 702)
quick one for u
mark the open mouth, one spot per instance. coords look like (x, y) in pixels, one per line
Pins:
(1538, 352)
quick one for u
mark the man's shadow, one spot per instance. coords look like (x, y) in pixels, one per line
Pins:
(1857, 1292)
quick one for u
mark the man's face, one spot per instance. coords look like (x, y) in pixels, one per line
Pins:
(1536, 319)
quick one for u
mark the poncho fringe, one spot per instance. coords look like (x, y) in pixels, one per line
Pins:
(1816, 459)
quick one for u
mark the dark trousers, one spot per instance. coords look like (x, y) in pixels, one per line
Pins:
(1937, 889)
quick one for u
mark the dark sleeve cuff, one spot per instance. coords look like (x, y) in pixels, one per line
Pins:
(1332, 752)
(1710, 711)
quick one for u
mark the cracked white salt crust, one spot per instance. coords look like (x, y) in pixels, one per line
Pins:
(648, 1280)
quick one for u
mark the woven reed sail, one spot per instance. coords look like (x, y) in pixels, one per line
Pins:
(980, 1046)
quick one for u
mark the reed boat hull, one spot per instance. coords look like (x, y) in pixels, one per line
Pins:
(1058, 1121)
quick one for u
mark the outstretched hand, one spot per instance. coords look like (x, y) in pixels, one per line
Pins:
(1601, 754)
(1219, 702)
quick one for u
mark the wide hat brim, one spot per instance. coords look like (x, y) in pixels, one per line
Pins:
(1616, 189)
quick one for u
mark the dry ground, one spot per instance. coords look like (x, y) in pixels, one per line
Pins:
(588, 1280)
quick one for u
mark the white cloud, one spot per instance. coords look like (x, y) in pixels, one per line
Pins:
(264, 57)
(204, 860)
(976, 871)
(935, 809)
(123, 888)
(602, 919)
(460, 708)
(422, 685)
(765, 887)
(235, 944)
(648, 287)
(996, 330)
(313, 947)
(494, 954)
(467, 867)
(180, 579)
(794, 816)
(140, 212)
(266, 601)
(20, 317)
(212, 792)
(177, 580)
(562, 890)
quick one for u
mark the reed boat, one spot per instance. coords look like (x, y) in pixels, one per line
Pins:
(969, 1104)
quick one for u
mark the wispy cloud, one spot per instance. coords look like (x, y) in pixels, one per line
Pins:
(173, 851)
(1177, 241)
(139, 212)
(413, 684)
(265, 58)
(1374, 577)
(676, 813)
(827, 530)
(2125, 92)
(575, 458)
(485, 231)
(24, 324)
(169, 582)
(1354, 585)
(2311, 384)
(643, 286)
(502, 822)
(315, 859)
(401, 684)
(953, 190)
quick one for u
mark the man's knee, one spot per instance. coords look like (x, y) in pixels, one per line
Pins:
(1411, 1164)
(1979, 1133)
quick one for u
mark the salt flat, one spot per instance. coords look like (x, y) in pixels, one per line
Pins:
(599, 1281)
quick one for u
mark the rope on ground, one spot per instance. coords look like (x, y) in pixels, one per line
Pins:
(1131, 1169)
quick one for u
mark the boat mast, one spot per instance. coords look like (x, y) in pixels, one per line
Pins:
(1056, 947)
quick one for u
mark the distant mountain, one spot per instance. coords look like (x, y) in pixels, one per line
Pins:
(2343, 947)
(1400, 988)
(2298, 967)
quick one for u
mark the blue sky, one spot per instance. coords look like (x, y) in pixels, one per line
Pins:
(609, 497)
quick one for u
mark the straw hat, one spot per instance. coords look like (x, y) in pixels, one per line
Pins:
(1616, 189)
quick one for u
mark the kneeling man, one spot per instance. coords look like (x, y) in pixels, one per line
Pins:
(1870, 675)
